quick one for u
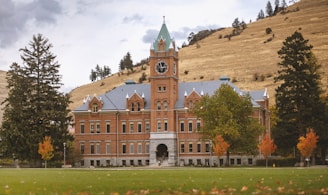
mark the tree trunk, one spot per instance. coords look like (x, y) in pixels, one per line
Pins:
(228, 159)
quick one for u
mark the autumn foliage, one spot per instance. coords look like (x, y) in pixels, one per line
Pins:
(46, 149)
(267, 145)
(307, 144)
(220, 146)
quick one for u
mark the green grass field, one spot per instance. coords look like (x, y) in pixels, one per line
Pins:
(165, 181)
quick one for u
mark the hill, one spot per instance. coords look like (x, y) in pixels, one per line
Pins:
(241, 58)
(244, 56)
(3, 91)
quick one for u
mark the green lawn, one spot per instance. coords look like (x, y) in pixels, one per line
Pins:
(165, 181)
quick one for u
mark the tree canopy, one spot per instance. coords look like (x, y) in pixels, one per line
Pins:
(298, 102)
(34, 107)
(307, 143)
(226, 113)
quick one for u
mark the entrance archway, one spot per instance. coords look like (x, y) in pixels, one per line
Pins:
(162, 153)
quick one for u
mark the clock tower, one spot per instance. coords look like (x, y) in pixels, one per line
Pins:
(163, 61)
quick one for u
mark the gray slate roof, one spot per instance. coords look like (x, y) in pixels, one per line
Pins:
(116, 98)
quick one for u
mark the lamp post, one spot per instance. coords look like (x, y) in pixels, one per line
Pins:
(211, 158)
(64, 153)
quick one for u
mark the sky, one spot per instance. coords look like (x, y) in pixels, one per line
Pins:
(85, 33)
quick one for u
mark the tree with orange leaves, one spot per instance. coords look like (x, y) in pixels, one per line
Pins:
(267, 147)
(46, 149)
(307, 144)
(220, 146)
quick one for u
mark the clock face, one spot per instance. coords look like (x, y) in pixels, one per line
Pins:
(161, 67)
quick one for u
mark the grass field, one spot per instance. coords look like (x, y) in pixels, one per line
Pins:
(165, 181)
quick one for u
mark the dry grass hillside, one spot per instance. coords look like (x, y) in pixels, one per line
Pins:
(240, 58)
(243, 56)
(3, 90)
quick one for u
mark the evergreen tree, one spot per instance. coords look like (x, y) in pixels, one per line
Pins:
(126, 62)
(298, 103)
(283, 4)
(227, 114)
(269, 9)
(34, 107)
(93, 75)
(260, 15)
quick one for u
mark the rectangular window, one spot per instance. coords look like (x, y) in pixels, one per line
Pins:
(123, 148)
(123, 128)
(182, 126)
(190, 147)
(190, 126)
(147, 127)
(147, 148)
(139, 127)
(108, 127)
(139, 148)
(131, 148)
(92, 127)
(159, 125)
(198, 125)
(131, 127)
(250, 161)
(82, 148)
(92, 148)
(207, 147)
(238, 161)
(98, 127)
(199, 147)
(232, 161)
(165, 125)
(182, 147)
(107, 148)
(97, 148)
(82, 127)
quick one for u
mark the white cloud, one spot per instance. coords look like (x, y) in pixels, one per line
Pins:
(90, 32)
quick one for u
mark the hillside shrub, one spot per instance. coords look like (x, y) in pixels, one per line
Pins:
(268, 30)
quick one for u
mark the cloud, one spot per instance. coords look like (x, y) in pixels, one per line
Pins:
(136, 18)
(15, 17)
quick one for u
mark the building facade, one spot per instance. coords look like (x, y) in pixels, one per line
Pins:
(151, 124)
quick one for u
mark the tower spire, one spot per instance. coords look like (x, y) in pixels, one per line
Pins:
(163, 19)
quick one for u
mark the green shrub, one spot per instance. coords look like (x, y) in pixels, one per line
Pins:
(277, 162)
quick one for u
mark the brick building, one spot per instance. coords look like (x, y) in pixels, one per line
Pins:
(147, 124)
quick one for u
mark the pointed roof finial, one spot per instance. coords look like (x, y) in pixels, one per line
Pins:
(163, 19)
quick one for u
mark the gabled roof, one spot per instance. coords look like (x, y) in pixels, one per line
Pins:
(116, 98)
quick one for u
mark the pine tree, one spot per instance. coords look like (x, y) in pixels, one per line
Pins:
(269, 9)
(34, 107)
(298, 102)
(260, 15)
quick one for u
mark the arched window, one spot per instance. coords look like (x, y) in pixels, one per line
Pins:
(165, 105)
(138, 106)
(158, 105)
(190, 104)
(132, 106)
(95, 107)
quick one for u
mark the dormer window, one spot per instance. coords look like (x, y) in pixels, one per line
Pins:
(190, 104)
(132, 106)
(138, 106)
(95, 107)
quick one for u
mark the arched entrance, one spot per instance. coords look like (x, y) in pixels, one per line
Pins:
(162, 153)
